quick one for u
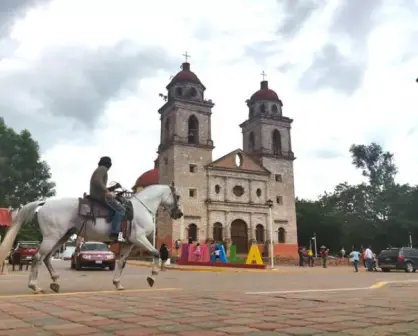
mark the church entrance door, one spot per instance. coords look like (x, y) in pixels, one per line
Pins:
(239, 235)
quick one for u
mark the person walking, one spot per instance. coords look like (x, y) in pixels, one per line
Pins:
(355, 257)
(324, 256)
(310, 258)
(368, 258)
(163, 255)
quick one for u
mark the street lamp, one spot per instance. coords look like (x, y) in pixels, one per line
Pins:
(314, 239)
(410, 235)
(270, 205)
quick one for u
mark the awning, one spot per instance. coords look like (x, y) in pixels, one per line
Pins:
(4, 217)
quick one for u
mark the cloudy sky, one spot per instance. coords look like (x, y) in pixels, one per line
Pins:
(84, 77)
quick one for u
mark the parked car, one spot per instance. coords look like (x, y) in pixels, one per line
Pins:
(24, 252)
(403, 258)
(93, 255)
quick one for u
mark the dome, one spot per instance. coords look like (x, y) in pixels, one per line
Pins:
(148, 178)
(264, 93)
(185, 75)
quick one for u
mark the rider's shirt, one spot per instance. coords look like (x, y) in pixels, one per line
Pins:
(98, 183)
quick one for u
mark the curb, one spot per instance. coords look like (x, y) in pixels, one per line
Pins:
(237, 270)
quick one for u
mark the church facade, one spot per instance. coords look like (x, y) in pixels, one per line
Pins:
(236, 197)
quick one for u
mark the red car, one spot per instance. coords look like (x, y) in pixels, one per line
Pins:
(23, 253)
(93, 255)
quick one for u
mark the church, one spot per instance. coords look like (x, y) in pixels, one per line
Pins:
(233, 198)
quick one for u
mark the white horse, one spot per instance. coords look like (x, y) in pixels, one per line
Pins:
(59, 219)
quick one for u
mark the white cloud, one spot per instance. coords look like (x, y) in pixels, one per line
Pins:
(217, 35)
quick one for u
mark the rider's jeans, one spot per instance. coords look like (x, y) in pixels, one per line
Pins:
(118, 216)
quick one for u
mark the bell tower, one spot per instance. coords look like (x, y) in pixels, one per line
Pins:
(186, 148)
(267, 138)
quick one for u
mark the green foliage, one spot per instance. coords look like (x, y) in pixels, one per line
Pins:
(24, 176)
(377, 212)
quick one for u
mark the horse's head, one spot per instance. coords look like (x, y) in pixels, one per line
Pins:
(171, 203)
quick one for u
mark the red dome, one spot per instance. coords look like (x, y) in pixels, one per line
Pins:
(185, 75)
(148, 178)
(265, 93)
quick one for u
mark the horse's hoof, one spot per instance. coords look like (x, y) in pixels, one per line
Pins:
(55, 287)
(150, 281)
(120, 288)
(39, 291)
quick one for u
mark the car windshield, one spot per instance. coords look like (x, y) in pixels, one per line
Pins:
(94, 247)
(28, 245)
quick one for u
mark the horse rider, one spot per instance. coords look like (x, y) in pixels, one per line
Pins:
(101, 193)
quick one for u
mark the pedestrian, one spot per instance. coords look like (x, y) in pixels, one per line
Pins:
(368, 258)
(163, 255)
(324, 256)
(177, 247)
(310, 257)
(355, 257)
(198, 252)
(301, 260)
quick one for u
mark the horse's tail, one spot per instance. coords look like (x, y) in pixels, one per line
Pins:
(24, 215)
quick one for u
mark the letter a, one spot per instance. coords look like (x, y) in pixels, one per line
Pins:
(254, 256)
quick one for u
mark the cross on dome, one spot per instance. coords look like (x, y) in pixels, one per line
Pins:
(263, 75)
(186, 56)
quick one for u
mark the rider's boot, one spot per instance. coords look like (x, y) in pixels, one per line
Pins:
(116, 233)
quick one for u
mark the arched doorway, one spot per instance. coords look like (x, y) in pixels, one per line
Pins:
(217, 232)
(282, 235)
(259, 234)
(192, 232)
(239, 235)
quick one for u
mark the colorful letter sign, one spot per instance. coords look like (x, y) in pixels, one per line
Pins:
(254, 256)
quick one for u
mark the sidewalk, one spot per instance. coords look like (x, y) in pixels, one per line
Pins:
(277, 269)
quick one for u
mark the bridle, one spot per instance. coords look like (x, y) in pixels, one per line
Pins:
(165, 207)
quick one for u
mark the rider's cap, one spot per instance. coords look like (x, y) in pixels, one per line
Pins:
(105, 161)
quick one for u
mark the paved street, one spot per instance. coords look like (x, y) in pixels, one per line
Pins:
(315, 302)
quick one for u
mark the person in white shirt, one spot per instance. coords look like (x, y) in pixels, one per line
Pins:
(368, 257)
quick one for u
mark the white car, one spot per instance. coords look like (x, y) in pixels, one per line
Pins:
(69, 250)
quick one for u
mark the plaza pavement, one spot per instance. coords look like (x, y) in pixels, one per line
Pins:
(308, 302)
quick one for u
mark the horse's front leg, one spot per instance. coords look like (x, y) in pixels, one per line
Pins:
(125, 250)
(143, 240)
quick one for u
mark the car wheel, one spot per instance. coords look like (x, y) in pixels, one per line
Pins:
(112, 267)
(409, 267)
(385, 270)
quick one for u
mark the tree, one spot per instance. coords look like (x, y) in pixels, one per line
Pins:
(24, 177)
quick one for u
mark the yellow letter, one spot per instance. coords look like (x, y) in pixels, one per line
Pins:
(254, 255)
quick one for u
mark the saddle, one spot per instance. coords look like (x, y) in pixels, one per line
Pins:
(91, 209)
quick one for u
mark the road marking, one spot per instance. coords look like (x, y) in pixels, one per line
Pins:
(377, 285)
(35, 296)
(308, 291)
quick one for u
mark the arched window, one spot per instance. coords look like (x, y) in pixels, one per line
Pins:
(251, 142)
(179, 92)
(274, 109)
(193, 130)
(259, 234)
(192, 92)
(217, 232)
(262, 108)
(276, 143)
(167, 129)
(282, 235)
(251, 113)
(192, 232)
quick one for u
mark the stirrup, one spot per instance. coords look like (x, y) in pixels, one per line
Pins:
(121, 239)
